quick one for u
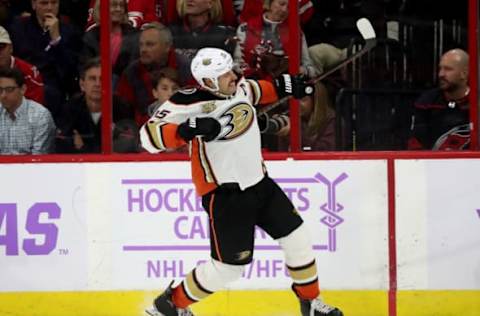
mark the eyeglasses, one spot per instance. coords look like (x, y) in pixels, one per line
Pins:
(7, 89)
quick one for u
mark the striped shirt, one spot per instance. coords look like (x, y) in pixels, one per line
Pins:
(31, 130)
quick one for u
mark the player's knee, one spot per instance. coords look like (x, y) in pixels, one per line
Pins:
(297, 247)
(229, 272)
(214, 275)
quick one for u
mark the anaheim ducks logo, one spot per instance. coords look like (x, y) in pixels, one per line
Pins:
(239, 119)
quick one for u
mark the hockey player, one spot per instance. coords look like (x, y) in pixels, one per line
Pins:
(218, 121)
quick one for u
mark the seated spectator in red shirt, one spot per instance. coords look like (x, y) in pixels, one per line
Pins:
(200, 27)
(135, 86)
(123, 38)
(33, 78)
(79, 127)
(139, 12)
(263, 41)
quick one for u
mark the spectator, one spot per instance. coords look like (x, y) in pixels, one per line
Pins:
(139, 12)
(80, 124)
(135, 86)
(33, 78)
(123, 38)
(325, 56)
(317, 122)
(75, 11)
(441, 116)
(248, 9)
(199, 27)
(26, 127)
(229, 14)
(165, 84)
(52, 45)
(263, 41)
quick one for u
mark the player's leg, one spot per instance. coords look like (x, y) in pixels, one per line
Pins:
(281, 221)
(232, 222)
(302, 267)
(212, 274)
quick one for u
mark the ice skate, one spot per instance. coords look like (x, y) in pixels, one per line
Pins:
(317, 307)
(163, 306)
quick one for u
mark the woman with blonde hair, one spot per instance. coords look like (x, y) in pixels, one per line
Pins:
(317, 120)
(215, 11)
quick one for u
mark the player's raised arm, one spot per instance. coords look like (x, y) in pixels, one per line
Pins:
(286, 85)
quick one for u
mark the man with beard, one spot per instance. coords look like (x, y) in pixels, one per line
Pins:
(441, 116)
(218, 122)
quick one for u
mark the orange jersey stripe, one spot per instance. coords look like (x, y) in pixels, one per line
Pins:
(170, 136)
(269, 95)
(162, 135)
(214, 233)
(202, 174)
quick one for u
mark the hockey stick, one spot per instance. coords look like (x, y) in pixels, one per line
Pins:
(368, 34)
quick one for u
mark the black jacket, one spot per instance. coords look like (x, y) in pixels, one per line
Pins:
(76, 116)
(58, 63)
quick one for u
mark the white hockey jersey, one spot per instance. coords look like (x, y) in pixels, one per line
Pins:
(235, 154)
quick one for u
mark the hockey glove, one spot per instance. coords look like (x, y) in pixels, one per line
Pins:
(296, 86)
(207, 127)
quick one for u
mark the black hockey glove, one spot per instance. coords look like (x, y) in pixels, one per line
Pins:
(295, 86)
(207, 127)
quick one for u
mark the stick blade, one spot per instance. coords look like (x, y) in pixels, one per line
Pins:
(365, 28)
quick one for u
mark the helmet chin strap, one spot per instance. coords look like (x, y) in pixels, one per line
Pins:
(216, 89)
(226, 96)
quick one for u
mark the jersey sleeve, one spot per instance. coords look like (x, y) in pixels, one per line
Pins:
(263, 92)
(160, 131)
